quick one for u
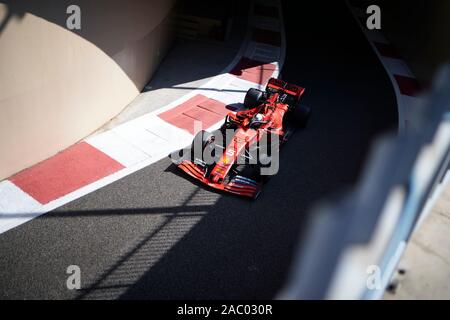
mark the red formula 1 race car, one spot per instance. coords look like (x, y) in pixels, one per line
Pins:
(241, 155)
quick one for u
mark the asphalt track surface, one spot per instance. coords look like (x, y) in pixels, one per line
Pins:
(157, 235)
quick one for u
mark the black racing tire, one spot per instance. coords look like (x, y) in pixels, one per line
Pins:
(301, 115)
(203, 138)
(253, 98)
(227, 124)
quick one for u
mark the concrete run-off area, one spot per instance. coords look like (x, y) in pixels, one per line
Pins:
(424, 271)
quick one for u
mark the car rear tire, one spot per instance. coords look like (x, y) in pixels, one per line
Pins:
(301, 115)
(253, 98)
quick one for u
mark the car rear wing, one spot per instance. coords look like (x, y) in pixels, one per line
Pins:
(291, 89)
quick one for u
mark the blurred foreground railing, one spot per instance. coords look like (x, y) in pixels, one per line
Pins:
(352, 246)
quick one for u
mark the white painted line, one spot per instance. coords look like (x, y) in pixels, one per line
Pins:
(245, 85)
(117, 148)
(13, 202)
(13, 199)
(167, 131)
(263, 52)
(229, 98)
(410, 102)
(397, 67)
(148, 142)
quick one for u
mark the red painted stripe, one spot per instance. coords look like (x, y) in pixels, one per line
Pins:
(212, 106)
(408, 86)
(253, 70)
(272, 38)
(198, 108)
(69, 170)
(386, 50)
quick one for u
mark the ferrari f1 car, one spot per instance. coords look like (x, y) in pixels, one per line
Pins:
(240, 156)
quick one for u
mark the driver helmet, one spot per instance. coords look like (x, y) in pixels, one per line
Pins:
(259, 117)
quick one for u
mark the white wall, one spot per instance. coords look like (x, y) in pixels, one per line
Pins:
(58, 86)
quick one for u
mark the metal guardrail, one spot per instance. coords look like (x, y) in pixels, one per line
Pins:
(352, 246)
